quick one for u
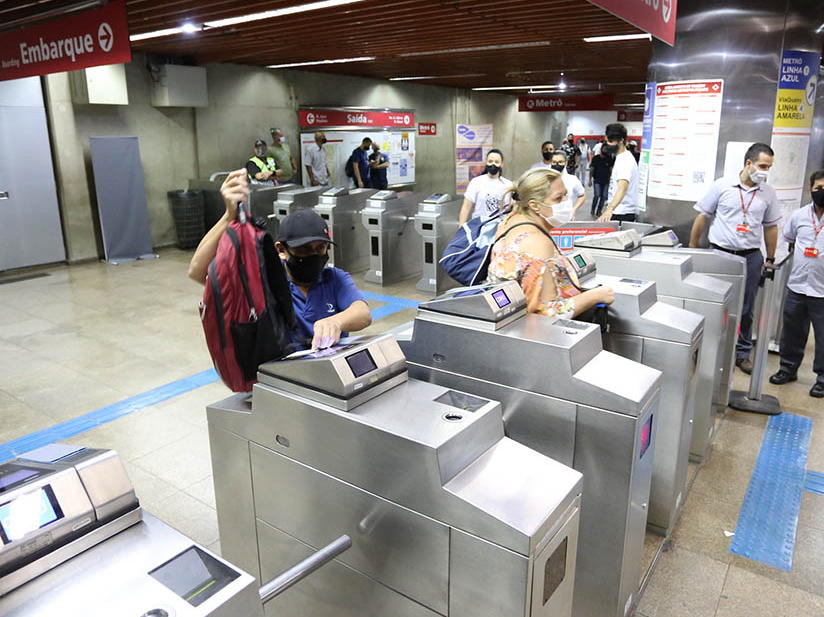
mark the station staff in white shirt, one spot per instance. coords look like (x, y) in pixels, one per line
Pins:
(484, 195)
(622, 198)
(314, 159)
(742, 209)
(805, 293)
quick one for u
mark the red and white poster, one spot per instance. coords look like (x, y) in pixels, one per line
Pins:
(323, 118)
(685, 128)
(563, 102)
(91, 38)
(654, 16)
(566, 237)
(427, 128)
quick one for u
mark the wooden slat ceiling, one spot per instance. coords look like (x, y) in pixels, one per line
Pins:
(391, 29)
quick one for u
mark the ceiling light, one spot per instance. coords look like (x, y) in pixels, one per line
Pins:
(317, 62)
(189, 28)
(617, 37)
(436, 77)
(562, 84)
(527, 87)
(289, 10)
(155, 34)
(460, 50)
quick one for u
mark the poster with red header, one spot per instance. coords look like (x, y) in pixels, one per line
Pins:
(91, 38)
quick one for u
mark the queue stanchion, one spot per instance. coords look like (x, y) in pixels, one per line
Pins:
(754, 400)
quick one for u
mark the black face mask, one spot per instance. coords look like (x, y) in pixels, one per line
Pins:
(493, 170)
(818, 197)
(558, 168)
(306, 269)
(547, 156)
(610, 149)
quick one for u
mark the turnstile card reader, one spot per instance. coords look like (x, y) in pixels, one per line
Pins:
(666, 338)
(679, 285)
(446, 515)
(567, 398)
(436, 222)
(626, 243)
(340, 207)
(484, 306)
(262, 198)
(297, 199)
(393, 244)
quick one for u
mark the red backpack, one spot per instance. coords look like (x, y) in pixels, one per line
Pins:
(246, 309)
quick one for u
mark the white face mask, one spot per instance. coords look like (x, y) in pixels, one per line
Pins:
(563, 211)
(552, 219)
(756, 175)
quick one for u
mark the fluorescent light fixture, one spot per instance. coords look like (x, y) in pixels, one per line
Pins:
(436, 77)
(189, 28)
(289, 10)
(562, 84)
(155, 34)
(617, 37)
(527, 87)
(460, 50)
(317, 62)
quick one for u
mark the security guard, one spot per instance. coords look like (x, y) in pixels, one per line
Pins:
(805, 293)
(742, 209)
(262, 168)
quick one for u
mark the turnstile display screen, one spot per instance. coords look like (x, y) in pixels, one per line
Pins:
(11, 476)
(646, 436)
(579, 259)
(27, 513)
(361, 363)
(194, 575)
(501, 299)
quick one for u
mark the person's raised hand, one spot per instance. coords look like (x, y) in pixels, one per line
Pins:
(235, 189)
(327, 333)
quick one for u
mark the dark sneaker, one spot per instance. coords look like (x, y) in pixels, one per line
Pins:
(745, 365)
(782, 377)
(817, 390)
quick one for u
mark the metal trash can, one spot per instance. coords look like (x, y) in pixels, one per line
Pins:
(188, 213)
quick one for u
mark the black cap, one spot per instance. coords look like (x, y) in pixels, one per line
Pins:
(260, 142)
(302, 227)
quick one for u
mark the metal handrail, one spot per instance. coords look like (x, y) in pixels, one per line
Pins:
(218, 173)
(299, 571)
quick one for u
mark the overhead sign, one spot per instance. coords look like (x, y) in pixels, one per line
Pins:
(630, 116)
(319, 118)
(427, 128)
(654, 16)
(565, 102)
(91, 38)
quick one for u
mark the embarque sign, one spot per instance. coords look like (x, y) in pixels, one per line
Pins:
(91, 38)
(654, 16)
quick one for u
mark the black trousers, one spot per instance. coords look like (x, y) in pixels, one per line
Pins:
(799, 312)
(630, 218)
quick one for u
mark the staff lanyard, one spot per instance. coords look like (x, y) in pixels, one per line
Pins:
(816, 228)
(746, 208)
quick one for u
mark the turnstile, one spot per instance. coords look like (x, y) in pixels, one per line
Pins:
(393, 244)
(75, 541)
(340, 207)
(619, 254)
(668, 339)
(292, 201)
(565, 397)
(262, 198)
(447, 516)
(436, 222)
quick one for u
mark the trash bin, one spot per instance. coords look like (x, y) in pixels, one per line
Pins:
(188, 213)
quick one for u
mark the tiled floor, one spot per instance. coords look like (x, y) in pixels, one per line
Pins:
(87, 336)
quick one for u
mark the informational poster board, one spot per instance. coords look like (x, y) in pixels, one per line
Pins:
(472, 144)
(686, 124)
(646, 142)
(792, 127)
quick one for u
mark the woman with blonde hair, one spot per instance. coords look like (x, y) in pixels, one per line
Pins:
(529, 255)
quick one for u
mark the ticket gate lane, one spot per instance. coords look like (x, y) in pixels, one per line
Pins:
(394, 245)
(340, 207)
(437, 222)
(287, 202)
(598, 420)
(262, 198)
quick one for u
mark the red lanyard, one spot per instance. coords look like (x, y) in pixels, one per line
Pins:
(746, 208)
(816, 228)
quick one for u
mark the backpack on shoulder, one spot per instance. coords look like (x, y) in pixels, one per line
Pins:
(466, 257)
(350, 167)
(246, 310)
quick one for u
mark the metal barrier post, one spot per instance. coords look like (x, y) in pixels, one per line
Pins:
(298, 572)
(754, 400)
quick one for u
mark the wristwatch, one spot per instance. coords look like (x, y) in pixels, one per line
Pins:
(770, 260)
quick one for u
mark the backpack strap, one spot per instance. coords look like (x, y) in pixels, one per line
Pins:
(242, 272)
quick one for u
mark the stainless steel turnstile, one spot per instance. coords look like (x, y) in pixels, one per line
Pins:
(393, 243)
(446, 515)
(668, 339)
(436, 222)
(340, 207)
(619, 254)
(566, 398)
(262, 198)
(292, 201)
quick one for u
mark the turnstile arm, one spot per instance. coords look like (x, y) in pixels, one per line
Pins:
(299, 571)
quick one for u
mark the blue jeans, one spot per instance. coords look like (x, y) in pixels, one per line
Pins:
(599, 198)
(799, 312)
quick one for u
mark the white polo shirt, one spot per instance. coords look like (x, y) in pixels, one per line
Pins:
(487, 194)
(572, 184)
(726, 201)
(625, 168)
(315, 157)
(807, 275)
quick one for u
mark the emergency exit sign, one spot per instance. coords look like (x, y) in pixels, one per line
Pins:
(427, 128)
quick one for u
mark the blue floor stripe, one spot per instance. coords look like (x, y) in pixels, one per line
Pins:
(768, 520)
(391, 300)
(814, 482)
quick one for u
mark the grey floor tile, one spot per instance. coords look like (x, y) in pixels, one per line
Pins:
(812, 513)
(189, 516)
(747, 594)
(702, 524)
(203, 491)
(215, 547)
(181, 463)
(150, 489)
(724, 475)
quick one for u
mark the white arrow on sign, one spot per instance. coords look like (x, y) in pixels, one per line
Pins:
(105, 36)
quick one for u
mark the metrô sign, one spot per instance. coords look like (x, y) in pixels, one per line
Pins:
(91, 38)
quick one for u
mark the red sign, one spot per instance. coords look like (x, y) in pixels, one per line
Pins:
(91, 38)
(311, 118)
(565, 237)
(630, 116)
(690, 88)
(559, 102)
(654, 16)
(427, 128)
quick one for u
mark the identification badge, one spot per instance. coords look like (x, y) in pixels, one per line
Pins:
(743, 228)
(810, 251)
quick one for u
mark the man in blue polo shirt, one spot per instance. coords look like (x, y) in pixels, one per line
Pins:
(360, 164)
(327, 304)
